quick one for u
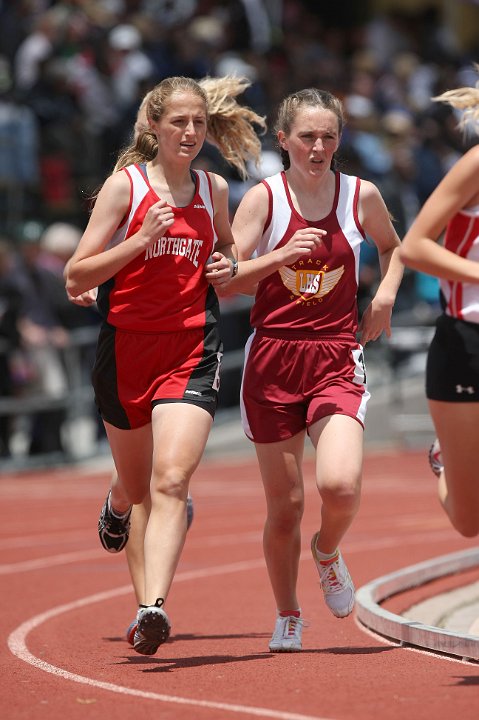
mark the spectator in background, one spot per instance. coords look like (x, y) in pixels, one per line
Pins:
(43, 338)
(37, 47)
(10, 305)
(19, 167)
(130, 65)
(57, 244)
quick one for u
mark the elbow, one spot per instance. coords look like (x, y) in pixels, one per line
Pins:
(405, 256)
(71, 286)
(71, 289)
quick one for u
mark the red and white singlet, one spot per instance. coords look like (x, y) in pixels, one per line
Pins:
(163, 289)
(159, 341)
(462, 238)
(302, 361)
(317, 294)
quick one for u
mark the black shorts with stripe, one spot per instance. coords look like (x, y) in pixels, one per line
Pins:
(452, 371)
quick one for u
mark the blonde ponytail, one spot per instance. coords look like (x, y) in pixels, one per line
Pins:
(466, 99)
(230, 125)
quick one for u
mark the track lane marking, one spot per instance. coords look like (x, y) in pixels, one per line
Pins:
(18, 646)
(350, 547)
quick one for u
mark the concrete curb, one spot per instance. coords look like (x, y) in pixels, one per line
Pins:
(413, 632)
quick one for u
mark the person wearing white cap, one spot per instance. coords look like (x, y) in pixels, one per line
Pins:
(131, 66)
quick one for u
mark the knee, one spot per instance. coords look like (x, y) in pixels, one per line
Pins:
(285, 516)
(341, 496)
(171, 481)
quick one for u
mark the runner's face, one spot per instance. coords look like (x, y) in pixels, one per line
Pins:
(313, 139)
(181, 130)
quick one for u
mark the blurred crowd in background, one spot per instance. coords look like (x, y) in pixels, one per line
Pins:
(72, 75)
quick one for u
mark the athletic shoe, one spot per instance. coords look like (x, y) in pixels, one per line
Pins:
(287, 634)
(190, 511)
(153, 628)
(113, 530)
(435, 458)
(130, 631)
(336, 583)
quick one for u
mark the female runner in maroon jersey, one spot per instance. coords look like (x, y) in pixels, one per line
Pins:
(452, 372)
(157, 244)
(304, 368)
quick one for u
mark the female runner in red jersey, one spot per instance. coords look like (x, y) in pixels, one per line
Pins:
(134, 548)
(452, 371)
(304, 368)
(157, 244)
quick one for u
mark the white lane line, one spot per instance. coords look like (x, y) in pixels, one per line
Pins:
(350, 547)
(44, 539)
(18, 646)
(51, 561)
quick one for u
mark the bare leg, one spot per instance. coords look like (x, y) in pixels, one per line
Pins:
(134, 549)
(132, 452)
(280, 466)
(338, 440)
(180, 433)
(456, 427)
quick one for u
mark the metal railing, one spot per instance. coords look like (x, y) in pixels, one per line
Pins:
(77, 400)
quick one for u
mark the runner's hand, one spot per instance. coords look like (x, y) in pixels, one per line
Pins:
(303, 242)
(219, 270)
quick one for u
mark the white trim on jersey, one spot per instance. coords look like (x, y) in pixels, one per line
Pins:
(281, 212)
(204, 191)
(244, 415)
(473, 211)
(462, 298)
(139, 188)
(346, 217)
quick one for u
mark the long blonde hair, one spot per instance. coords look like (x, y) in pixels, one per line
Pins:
(466, 99)
(230, 125)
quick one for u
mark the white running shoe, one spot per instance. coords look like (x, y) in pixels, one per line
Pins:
(336, 583)
(435, 458)
(287, 634)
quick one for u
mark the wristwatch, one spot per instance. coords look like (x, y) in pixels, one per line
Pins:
(234, 267)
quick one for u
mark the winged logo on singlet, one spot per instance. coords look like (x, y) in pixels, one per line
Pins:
(309, 283)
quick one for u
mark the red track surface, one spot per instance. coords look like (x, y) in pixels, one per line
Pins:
(66, 604)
